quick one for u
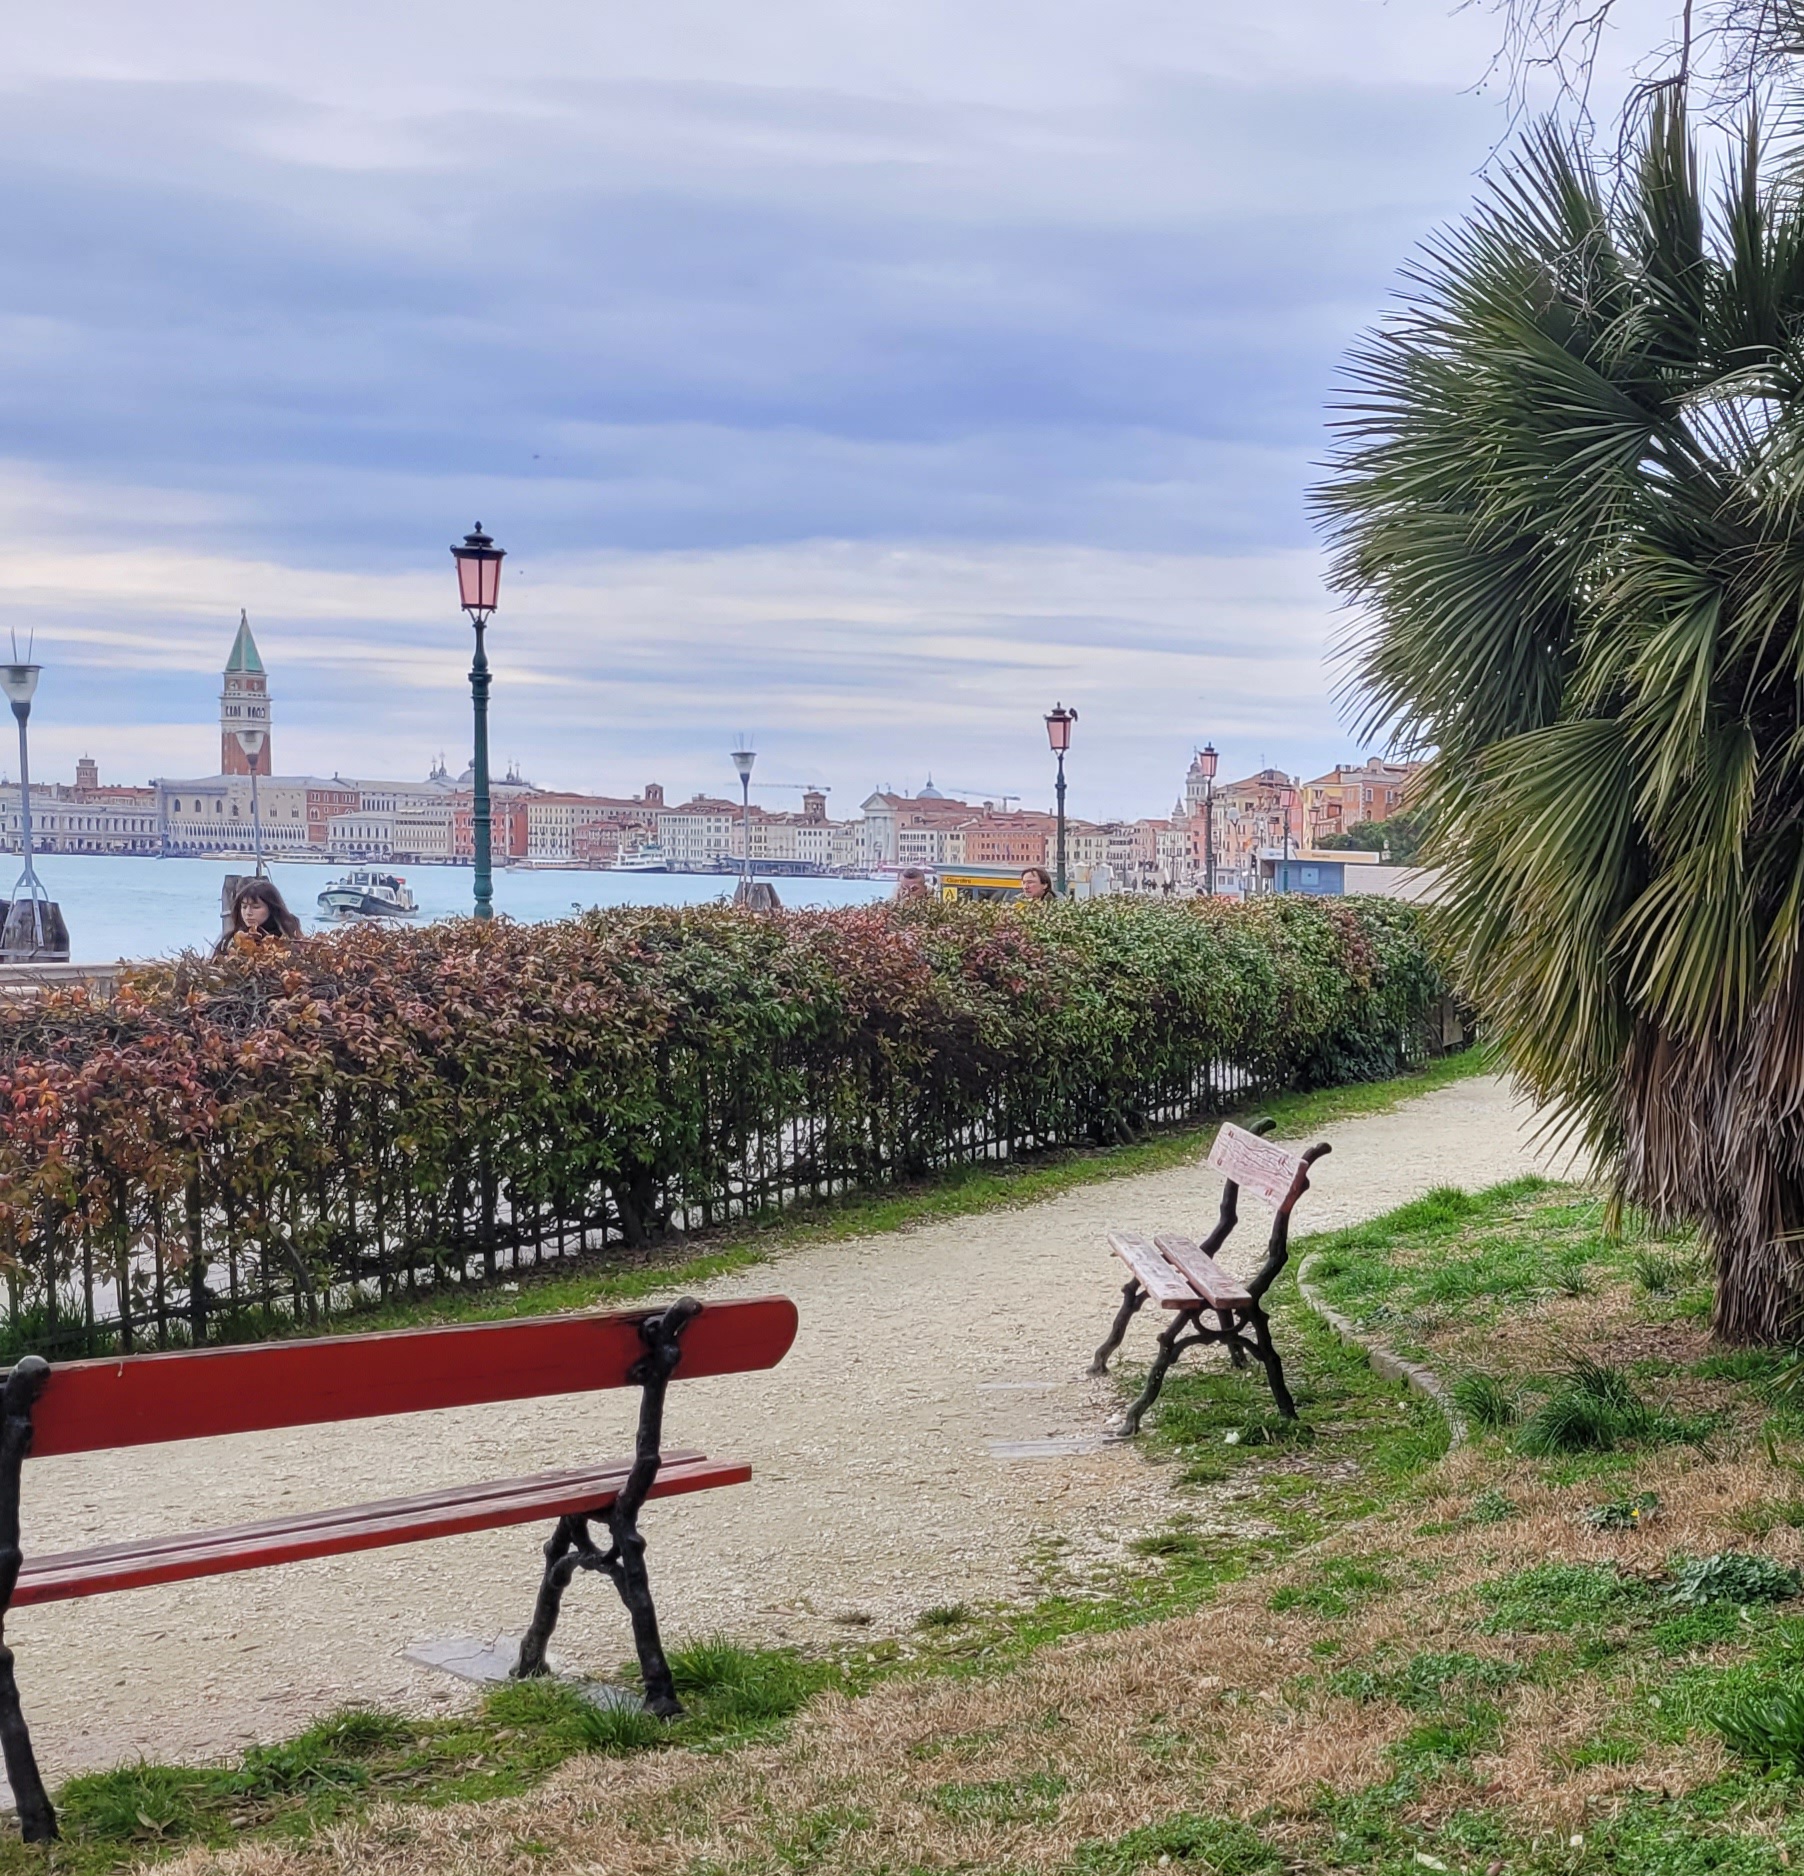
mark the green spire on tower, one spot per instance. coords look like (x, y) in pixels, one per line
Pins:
(244, 650)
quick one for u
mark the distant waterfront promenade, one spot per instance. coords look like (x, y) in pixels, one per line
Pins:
(119, 907)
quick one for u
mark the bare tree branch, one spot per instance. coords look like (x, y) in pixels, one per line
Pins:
(1725, 54)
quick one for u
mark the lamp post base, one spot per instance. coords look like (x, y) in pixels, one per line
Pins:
(34, 933)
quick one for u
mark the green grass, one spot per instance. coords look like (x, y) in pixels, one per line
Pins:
(520, 1731)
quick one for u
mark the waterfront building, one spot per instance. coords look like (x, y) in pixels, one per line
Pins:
(702, 832)
(87, 818)
(1250, 821)
(566, 829)
(361, 835)
(244, 705)
(1372, 790)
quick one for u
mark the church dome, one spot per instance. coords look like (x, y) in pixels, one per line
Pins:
(930, 793)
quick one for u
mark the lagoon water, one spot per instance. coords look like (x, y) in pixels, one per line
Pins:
(128, 908)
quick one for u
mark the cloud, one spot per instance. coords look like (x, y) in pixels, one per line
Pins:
(865, 372)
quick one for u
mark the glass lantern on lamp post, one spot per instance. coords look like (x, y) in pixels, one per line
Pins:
(743, 758)
(1058, 733)
(1206, 760)
(478, 590)
(34, 931)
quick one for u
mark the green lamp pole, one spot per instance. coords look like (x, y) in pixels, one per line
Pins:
(1207, 760)
(1058, 732)
(479, 587)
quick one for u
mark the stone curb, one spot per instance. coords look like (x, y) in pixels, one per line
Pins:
(1385, 1361)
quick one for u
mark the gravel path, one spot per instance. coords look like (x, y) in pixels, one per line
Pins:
(876, 1494)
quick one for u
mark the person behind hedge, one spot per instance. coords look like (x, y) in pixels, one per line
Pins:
(259, 915)
(1036, 883)
(911, 883)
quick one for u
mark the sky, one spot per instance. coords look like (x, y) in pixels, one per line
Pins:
(860, 376)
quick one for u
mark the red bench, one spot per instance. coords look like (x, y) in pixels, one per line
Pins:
(1184, 1277)
(137, 1400)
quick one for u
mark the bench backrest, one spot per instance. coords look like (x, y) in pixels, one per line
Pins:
(1258, 1166)
(142, 1400)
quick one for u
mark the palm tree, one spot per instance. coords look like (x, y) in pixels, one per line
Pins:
(1567, 499)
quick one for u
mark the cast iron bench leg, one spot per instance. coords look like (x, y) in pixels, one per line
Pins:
(1155, 1380)
(37, 1820)
(570, 1547)
(1132, 1296)
(1267, 1355)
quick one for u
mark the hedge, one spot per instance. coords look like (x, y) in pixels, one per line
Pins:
(223, 1147)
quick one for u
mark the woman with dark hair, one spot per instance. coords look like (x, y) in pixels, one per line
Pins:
(259, 914)
(1036, 884)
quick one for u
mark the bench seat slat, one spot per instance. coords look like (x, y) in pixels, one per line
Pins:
(1217, 1286)
(141, 1400)
(1167, 1287)
(445, 1513)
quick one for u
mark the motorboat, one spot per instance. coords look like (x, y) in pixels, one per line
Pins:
(365, 893)
(647, 859)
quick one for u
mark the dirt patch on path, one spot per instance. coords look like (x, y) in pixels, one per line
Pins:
(876, 1493)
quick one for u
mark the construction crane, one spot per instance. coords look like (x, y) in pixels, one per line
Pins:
(1002, 797)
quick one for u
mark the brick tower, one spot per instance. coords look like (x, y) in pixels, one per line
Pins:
(243, 705)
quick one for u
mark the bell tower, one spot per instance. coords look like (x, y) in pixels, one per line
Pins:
(243, 705)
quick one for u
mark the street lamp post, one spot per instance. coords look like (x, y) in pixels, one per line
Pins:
(1287, 797)
(1208, 759)
(1058, 733)
(478, 589)
(33, 925)
(251, 742)
(743, 758)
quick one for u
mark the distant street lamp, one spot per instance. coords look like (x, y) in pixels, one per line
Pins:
(743, 759)
(1287, 797)
(1058, 733)
(479, 589)
(1206, 760)
(251, 742)
(34, 927)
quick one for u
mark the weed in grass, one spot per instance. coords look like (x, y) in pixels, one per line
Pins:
(1448, 1739)
(1183, 1544)
(810, 1843)
(1660, 1271)
(621, 1729)
(1485, 1401)
(1622, 1514)
(1556, 1598)
(1571, 1276)
(1491, 1507)
(1340, 1582)
(1030, 1800)
(134, 1804)
(1425, 1680)
(946, 1615)
(1766, 1724)
(1734, 1577)
(1591, 1409)
(1706, 1627)
(1220, 1846)
(1605, 1749)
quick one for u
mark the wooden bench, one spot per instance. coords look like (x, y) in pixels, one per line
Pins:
(1184, 1277)
(136, 1400)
